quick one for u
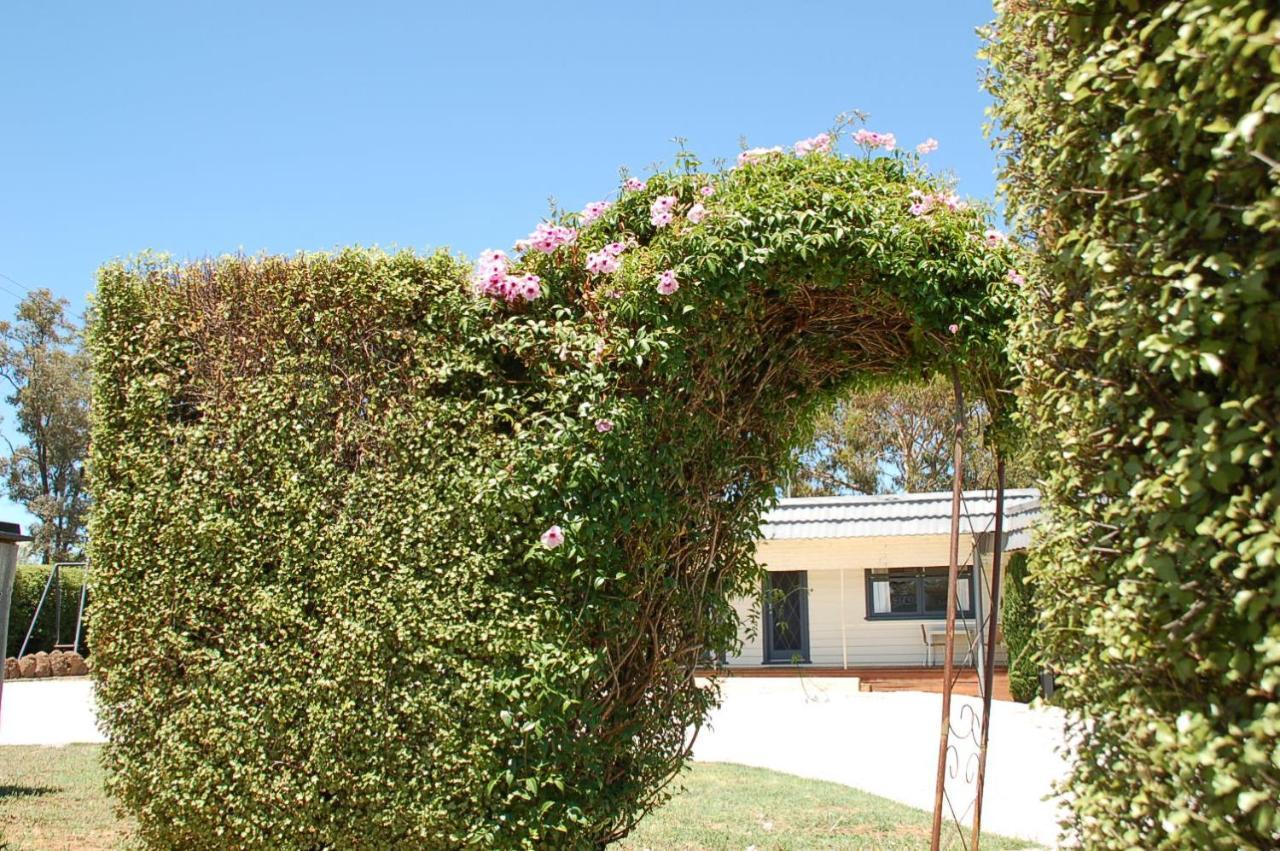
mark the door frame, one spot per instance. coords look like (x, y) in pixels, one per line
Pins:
(770, 658)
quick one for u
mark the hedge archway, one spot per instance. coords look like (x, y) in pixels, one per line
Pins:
(393, 552)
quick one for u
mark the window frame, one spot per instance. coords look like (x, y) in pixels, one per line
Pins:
(769, 657)
(920, 574)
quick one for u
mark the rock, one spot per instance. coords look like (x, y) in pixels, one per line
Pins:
(12, 670)
(76, 666)
(27, 666)
(58, 664)
(42, 665)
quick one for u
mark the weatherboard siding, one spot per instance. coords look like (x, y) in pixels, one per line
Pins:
(839, 624)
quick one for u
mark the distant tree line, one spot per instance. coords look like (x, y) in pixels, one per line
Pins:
(898, 439)
(43, 361)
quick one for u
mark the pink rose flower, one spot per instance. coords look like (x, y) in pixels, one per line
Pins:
(602, 263)
(667, 282)
(633, 184)
(604, 426)
(552, 538)
(928, 146)
(547, 238)
(993, 237)
(870, 140)
(953, 327)
(529, 287)
(615, 249)
(755, 155)
(1015, 277)
(818, 144)
(593, 211)
(663, 204)
(697, 213)
(707, 191)
(661, 220)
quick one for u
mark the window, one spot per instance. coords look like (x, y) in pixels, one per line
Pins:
(786, 616)
(918, 593)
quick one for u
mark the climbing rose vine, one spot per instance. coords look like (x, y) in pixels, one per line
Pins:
(400, 551)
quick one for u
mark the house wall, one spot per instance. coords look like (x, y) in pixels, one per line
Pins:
(839, 631)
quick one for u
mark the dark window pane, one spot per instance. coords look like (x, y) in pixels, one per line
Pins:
(935, 594)
(903, 596)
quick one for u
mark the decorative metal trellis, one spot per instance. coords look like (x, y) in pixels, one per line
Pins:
(961, 800)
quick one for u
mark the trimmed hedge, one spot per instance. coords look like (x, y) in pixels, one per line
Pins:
(1018, 623)
(27, 585)
(1141, 144)
(386, 557)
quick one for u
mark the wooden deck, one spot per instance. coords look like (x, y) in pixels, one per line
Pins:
(879, 679)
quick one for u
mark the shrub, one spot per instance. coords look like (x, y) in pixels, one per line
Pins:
(390, 558)
(1018, 623)
(28, 583)
(1141, 141)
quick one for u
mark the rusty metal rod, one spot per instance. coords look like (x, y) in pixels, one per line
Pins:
(988, 656)
(953, 574)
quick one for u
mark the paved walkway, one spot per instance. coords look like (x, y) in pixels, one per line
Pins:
(885, 743)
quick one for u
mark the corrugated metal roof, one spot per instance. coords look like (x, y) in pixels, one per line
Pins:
(897, 514)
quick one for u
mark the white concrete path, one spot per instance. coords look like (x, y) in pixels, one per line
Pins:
(56, 711)
(887, 743)
(884, 743)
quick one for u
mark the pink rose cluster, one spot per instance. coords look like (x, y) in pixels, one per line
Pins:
(547, 238)
(491, 278)
(594, 210)
(755, 155)
(924, 203)
(818, 144)
(605, 261)
(668, 283)
(870, 140)
(634, 184)
(660, 212)
(993, 238)
(928, 146)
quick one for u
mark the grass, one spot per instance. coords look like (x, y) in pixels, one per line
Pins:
(732, 806)
(51, 798)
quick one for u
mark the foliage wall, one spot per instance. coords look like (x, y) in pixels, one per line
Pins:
(1142, 143)
(1018, 621)
(388, 555)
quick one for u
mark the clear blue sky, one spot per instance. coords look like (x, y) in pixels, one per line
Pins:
(288, 125)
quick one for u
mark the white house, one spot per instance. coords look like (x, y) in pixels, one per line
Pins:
(861, 581)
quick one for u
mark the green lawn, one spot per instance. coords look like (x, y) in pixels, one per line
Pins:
(51, 799)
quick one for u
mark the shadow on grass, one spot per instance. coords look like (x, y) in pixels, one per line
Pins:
(7, 792)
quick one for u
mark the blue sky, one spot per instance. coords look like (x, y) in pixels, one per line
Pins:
(284, 126)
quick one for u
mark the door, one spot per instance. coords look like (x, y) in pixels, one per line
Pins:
(786, 616)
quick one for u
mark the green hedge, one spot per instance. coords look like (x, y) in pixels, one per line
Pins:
(1018, 623)
(1141, 144)
(27, 585)
(382, 561)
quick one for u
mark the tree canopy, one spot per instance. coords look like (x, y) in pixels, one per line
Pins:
(47, 370)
